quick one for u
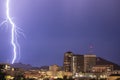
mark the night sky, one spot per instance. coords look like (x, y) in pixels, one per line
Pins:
(53, 27)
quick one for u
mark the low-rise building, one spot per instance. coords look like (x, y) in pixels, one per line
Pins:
(102, 68)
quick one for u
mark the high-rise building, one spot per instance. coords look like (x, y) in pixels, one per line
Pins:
(67, 65)
(89, 62)
(73, 62)
(77, 63)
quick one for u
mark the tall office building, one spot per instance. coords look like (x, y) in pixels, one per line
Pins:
(89, 62)
(67, 65)
(77, 63)
(73, 62)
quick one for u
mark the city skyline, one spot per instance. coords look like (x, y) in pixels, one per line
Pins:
(55, 27)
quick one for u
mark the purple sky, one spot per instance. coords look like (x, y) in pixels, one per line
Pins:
(53, 27)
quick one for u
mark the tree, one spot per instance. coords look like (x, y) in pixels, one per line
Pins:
(2, 75)
(118, 79)
(19, 77)
(65, 77)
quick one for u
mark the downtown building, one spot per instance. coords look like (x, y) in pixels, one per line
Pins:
(73, 62)
(67, 64)
(76, 63)
(89, 62)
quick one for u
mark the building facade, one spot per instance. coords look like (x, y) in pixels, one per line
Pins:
(102, 68)
(67, 64)
(89, 62)
(77, 63)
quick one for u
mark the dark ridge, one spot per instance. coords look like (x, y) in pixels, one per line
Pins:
(101, 61)
(21, 65)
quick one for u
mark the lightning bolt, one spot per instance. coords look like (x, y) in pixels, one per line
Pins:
(15, 31)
